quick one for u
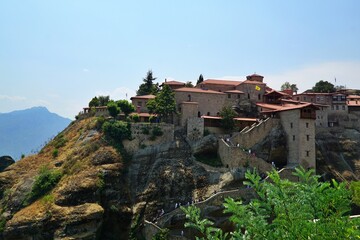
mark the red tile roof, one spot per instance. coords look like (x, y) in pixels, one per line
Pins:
(253, 82)
(221, 82)
(235, 91)
(353, 97)
(143, 97)
(274, 91)
(254, 75)
(176, 83)
(286, 107)
(197, 90)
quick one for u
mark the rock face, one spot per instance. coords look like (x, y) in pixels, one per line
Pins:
(338, 153)
(273, 147)
(5, 161)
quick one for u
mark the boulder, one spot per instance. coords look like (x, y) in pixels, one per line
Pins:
(5, 161)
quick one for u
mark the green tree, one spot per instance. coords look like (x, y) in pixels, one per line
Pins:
(227, 121)
(94, 102)
(148, 86)
(125, 106)
(103, 100)
(324, 87)
(113, 109)
(164, 104)
(189, 84)
(307, 209)
(287, 86)
(200, 79)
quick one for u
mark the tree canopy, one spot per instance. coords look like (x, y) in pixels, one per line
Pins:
(113, 109)
(323, 87)
(287, 86)
(99, 101)
(164, 104)
(227, 121)
(200, 79)
(125, 106)
(148, 86)
(189, 84)
(307, 209)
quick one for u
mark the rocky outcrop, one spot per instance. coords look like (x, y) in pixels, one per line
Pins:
(273, 147)
(338, 152)
(5, 161)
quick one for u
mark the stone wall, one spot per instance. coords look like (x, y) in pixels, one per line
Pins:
(252, 135)
(234, 157)
(322, 117)
(195, 128)
(250, 91)
(142, 135)
(188, 110)
(300, 138)
(209, 103)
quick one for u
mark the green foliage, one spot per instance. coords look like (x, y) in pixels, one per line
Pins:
(156, 131)
(200, 79)
(135, 117)
(324, 87)
(355, 189)
(307, 209)
(287, 86)
(94, 102)
(163, 234)
(227, 121)
(59, 141)
(2, 224)
(99, 101)
(164, 103)
(22, 156)
(113, 109)
(125, 106)
(145, 130)
(148, 87)
(117, 130)
(44, 182)
(99, 122)
(189, 84)
(55, 153)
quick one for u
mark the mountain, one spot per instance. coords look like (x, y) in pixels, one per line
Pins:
(24, 131)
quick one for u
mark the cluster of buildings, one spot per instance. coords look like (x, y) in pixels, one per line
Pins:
(253, 100)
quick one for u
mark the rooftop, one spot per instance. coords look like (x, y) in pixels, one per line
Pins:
(197, 90)
(143, 97)
(221, 82)
(174, 83)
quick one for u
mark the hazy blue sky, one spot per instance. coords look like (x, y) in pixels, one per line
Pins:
(60, 54)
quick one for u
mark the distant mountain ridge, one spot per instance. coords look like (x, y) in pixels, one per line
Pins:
(24, 131)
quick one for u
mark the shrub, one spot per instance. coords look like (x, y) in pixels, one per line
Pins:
(59, 141)
(145, 130)
(152, 118)
(44, 182)
(99, 122)
(136, 118)
(117, 130)
(55, 153)
(156, 131)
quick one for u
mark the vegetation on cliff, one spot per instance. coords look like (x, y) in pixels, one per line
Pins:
(307, 209)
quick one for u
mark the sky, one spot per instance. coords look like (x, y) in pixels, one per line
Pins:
(60, 54)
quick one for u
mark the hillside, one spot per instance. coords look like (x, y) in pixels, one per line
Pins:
(24, 131)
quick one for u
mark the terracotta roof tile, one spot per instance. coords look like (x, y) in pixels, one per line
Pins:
(174, 83)
(286, 107)
(197, 90)
(143, 97)
(221, 82)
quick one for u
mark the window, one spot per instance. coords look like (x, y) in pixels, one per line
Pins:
(307, 137)
(238, 96)
(307, 153)
(259, 96)
(248, 96)
(297, 98)
(291, 125)
(189, 98)
(293, 137)
(208, 113)
(229, 95)
(199, 114)
(307, 125)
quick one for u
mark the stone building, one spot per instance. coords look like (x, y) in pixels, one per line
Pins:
(139, 102)
(298, 121)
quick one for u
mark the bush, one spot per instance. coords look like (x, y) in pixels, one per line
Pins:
(59, 141)
(136, 118)
(55, 153)
(117, 130)
(99, 122)
(145, 130)
(44, 182)
(156, 131)
(152, 118)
